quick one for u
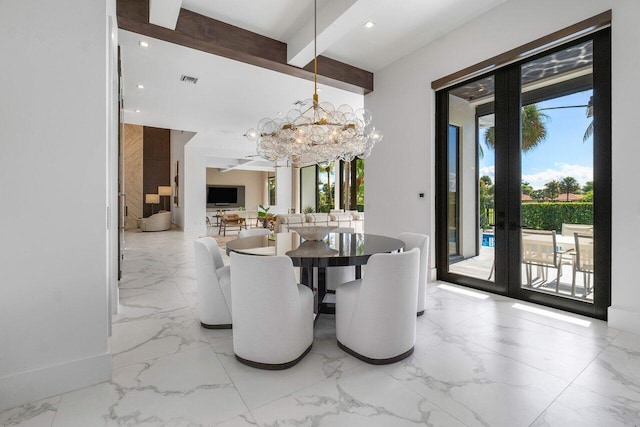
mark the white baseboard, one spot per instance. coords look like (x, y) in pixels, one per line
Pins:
(433, 274)
(625, 320)
(30, 386)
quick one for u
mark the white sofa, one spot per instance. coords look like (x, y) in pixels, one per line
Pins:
(341, 219)
(156, 222)
(284, 221)
(317, 219)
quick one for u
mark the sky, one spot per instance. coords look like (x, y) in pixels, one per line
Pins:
(562, 153)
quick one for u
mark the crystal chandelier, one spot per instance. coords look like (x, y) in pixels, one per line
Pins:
(320, 133)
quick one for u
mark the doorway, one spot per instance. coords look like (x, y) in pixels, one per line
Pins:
(523, 178)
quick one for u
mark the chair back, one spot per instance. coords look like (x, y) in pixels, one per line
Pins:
(231, 218)
(420, 241)
(254, 232)
(387, 301)
(571, 229)
(213, 307)
(266, 305)
(539, 247)
(214, 250)
(584, 252)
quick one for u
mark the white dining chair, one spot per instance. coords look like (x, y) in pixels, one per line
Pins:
(376, 315)
(272, 314)
(214, 285)
(254, 232)
(420, 241)
(335, 276)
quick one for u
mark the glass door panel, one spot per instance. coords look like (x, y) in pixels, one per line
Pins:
(523, 195)
(557, 173)
(471, 180)
(308, 189)
(326, 187)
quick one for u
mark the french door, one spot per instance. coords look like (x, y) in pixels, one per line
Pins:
(524, 178)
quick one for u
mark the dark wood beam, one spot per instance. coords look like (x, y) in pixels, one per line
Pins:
(212, 36)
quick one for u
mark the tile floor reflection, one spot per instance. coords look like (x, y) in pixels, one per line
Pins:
(478, 362)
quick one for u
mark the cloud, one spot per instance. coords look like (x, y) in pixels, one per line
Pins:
(490, 171)
(581, 173)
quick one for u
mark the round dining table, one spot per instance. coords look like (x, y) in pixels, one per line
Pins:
(336, 250)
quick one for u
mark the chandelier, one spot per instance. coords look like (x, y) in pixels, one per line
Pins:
(320, 133)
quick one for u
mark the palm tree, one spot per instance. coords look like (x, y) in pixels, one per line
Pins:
(328, 168)
(589, 131)
(569, 185)
(534, 129)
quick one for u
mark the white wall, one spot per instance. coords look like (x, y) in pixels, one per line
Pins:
(403, 107)
(54, 310)
(463, 115)
(179, 139)
(192, 189)
(284, 189)
(253, 181)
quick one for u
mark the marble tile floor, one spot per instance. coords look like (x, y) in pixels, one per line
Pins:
(480, 360)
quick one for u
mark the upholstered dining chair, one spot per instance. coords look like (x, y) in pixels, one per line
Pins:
(214, 285)
(254, 232)
(376, 315)
(334, 276)
(272, 314)
(420, 241)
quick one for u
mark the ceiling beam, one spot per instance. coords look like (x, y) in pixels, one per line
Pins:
(164, 12)
(212, 36)
(334, 21)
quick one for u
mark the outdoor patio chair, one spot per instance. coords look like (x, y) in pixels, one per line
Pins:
(539, 248)
(583, 262)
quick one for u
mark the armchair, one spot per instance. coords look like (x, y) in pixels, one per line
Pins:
(272, 315)
(156, 222)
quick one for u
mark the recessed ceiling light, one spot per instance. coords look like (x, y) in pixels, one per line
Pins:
(143, 43)
(137, 111)
(140, 87)
(369, 24)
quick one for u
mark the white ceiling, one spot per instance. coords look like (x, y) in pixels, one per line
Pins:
(231, 97)
(402, 26)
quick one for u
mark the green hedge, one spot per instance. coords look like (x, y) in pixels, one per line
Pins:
(551, 215)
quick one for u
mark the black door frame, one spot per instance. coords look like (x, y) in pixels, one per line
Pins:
(508, 172)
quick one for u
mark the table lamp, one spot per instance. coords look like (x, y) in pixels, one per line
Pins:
(152, 199)
(164, 190)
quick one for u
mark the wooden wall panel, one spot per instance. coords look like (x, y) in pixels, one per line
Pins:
(157, 166)
(133, 174)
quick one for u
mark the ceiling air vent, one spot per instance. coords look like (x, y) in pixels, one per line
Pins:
(189, 79)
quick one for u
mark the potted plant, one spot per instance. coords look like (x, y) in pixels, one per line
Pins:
(262, 214)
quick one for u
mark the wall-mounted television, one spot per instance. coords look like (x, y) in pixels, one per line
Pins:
(225, 195)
